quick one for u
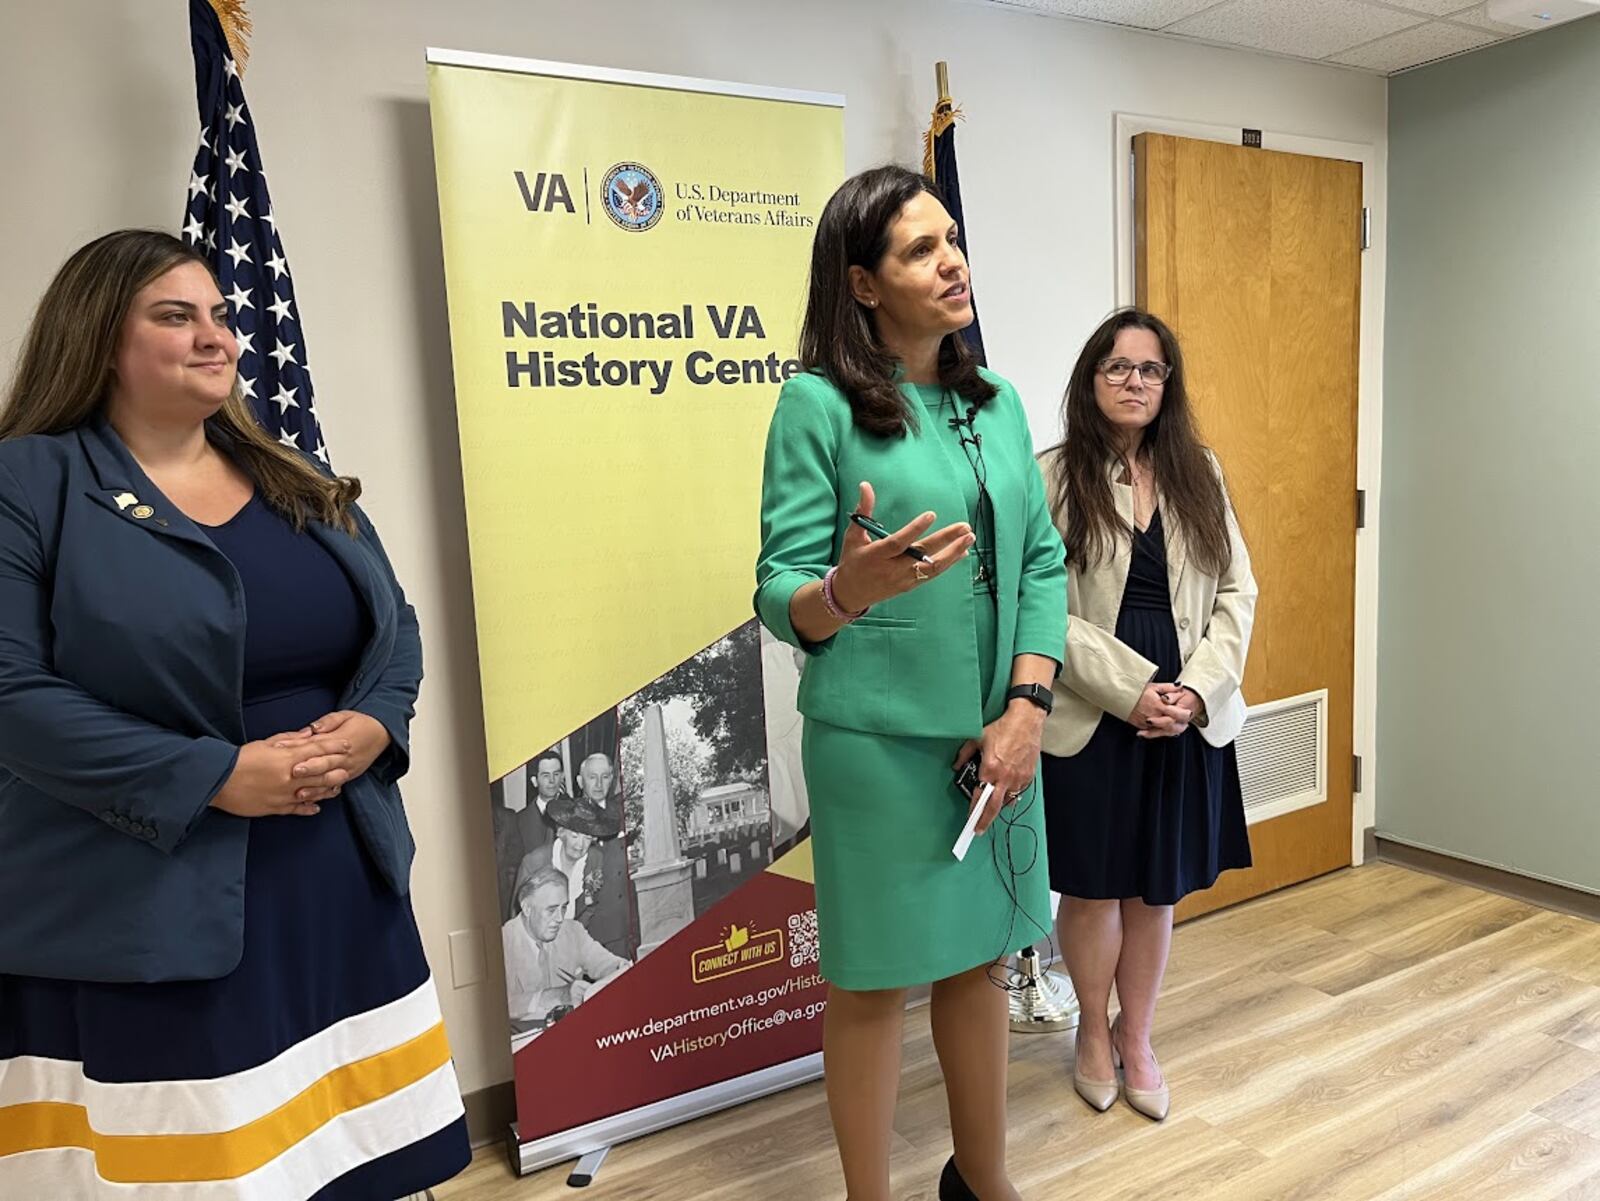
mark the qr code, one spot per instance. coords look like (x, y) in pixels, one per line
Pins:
(802, 938)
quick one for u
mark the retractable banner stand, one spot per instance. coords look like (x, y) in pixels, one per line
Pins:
(626, 259)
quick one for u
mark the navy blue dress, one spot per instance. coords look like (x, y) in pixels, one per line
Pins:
(297, 1075)
(1153, 818)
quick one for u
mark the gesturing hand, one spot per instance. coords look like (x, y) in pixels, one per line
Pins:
(870, 572)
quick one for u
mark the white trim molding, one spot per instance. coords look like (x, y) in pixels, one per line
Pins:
(1369, 403)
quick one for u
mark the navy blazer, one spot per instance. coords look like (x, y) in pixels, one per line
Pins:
(122, 633)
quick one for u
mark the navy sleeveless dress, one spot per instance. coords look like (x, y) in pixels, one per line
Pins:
(1153, 818)
(318, 1067)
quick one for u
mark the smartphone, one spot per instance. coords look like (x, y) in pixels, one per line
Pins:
(966, 778)
(977, 793)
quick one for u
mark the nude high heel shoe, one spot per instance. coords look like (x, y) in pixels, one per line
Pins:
(1100, 1095)
(1153, 1103)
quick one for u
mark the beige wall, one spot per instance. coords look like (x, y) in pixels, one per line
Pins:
(97, 130)
(1491, 438)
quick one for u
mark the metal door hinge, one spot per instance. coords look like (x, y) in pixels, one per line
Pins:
(1355, 773)
(1366, 228)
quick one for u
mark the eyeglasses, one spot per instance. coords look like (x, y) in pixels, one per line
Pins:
(1117, 371)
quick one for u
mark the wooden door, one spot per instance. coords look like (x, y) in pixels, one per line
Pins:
(1254, 258)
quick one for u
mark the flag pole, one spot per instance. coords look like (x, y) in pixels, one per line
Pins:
(939, 165)
(943, 117)
(1040, 1000)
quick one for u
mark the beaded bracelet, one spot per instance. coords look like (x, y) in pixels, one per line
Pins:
(832, 601)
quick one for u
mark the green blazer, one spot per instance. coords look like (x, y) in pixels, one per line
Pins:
(909, 667)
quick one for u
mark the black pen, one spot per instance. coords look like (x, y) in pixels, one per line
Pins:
(877, 531)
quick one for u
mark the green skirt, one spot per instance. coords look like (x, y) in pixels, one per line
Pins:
(894, 906)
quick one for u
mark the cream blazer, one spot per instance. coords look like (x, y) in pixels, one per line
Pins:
(1102, 675)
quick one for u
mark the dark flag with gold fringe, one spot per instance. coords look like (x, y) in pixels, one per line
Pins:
(228, 218)
(939, 165)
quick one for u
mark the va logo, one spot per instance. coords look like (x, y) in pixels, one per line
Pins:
(631, 196)
(545, 192)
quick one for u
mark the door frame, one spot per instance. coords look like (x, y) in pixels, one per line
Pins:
(1369, 393)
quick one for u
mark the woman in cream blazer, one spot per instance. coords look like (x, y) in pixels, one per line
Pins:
(1141, 783)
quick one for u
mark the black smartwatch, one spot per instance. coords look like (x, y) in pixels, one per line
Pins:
(1038, 694)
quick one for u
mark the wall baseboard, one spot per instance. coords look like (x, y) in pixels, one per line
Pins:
(1369, 844)
(1544, 893)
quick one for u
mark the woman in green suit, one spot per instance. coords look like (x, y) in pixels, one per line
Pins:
(925, 648)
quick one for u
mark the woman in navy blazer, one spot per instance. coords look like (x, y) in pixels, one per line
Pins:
(209, 967)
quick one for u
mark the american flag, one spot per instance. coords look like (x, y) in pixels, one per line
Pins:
(228, 216)
(939, 165)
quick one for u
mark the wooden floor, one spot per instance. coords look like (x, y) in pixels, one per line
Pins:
(1376, 1035)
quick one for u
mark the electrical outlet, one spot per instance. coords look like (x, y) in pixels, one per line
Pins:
(468, 965)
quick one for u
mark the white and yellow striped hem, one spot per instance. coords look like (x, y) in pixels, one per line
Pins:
(367, 1086)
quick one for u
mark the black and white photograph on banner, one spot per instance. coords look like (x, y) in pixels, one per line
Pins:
(553, 964)
(780, 686)
(558, 828)
(699, 814)
(518, 802)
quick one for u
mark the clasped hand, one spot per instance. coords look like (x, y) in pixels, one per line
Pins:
(294, 772)
(1165, 710)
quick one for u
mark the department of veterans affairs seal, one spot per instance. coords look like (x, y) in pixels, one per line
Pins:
(631, 195)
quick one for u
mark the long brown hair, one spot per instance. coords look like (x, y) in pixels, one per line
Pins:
(64, 373)
(1191, 489)
(838, 339)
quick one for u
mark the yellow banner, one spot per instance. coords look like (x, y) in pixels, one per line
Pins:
(625, 265)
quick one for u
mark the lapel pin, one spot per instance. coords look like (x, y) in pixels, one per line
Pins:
(143, 511)
(124, 499)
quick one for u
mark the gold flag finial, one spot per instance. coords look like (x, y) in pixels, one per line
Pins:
(235, 27)
(945, 114)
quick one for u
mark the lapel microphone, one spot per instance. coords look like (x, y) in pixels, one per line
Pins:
(959, 423)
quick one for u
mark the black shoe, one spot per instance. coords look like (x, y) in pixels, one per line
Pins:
(952, 1187)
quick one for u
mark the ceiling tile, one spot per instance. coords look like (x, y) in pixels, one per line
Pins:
(1477, 16)
(1143, 14)
(1308, 28)
(1414, 46)
(1430, 8)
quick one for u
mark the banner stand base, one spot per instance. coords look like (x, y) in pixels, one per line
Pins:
(588, 1168)
(647, 1119)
